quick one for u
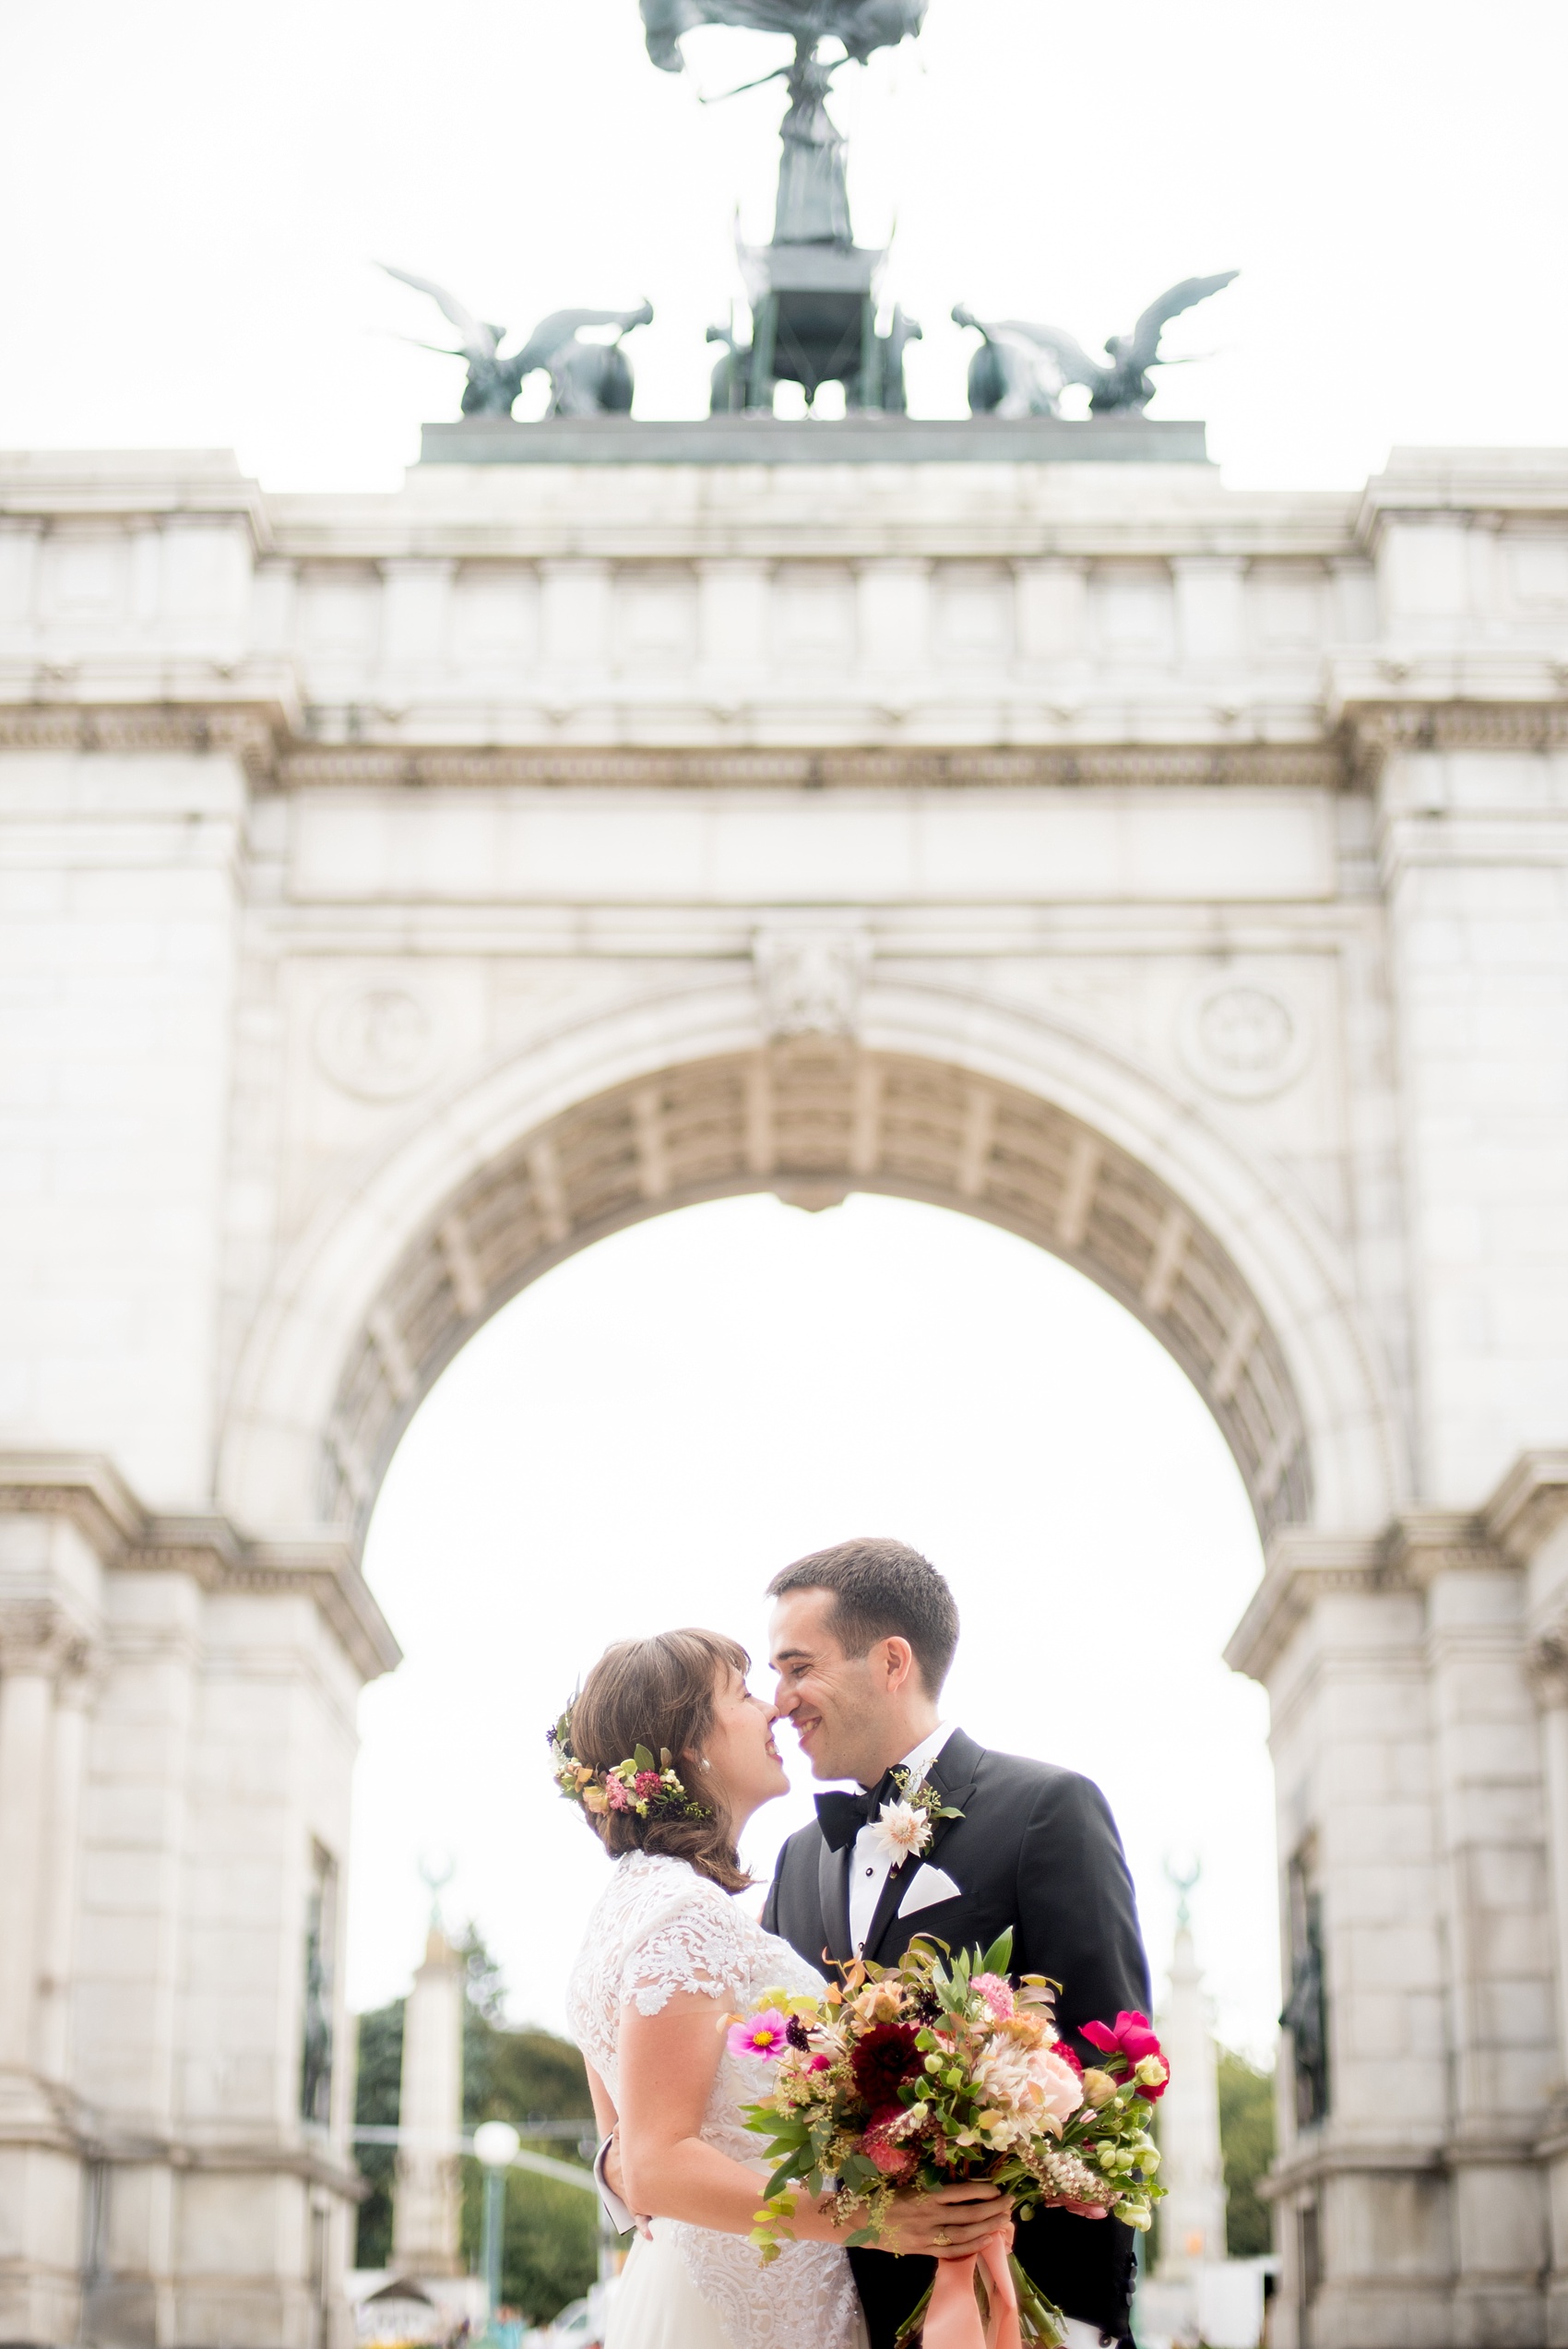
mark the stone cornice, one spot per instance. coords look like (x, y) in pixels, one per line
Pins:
(1303, 1567)
(1374, 731)
(1528, 1505)
(1330, 2154)
(199, 727)
(89, 1491)
(1423, 1544)
(1309, 2164)
(274, 753)
(126, 486)
(1462, 483)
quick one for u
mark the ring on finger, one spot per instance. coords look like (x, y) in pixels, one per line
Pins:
(941, 2238)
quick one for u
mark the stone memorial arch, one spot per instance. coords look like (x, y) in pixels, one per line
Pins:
(400, 893)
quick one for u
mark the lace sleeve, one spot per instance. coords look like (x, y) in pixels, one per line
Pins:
(701, 1946)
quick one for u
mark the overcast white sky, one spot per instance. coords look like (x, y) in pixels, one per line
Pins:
(194, 193)
(647, 1434)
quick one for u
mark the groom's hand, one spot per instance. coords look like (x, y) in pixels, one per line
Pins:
(948, 2224)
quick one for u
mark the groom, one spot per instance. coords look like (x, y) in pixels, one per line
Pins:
(862, 1636)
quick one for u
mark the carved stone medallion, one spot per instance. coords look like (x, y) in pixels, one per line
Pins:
(379, 1040)
(1244, 1037)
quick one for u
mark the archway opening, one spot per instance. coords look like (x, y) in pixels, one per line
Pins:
(643, 1434)
(814, 1119)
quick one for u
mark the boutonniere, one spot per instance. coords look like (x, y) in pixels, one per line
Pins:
(903, 1829)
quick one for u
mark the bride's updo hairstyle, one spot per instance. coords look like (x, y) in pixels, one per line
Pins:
(661, 1693)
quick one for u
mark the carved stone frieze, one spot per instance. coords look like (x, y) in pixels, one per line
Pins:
(250, 734)
(274, 753)
(1377, 730)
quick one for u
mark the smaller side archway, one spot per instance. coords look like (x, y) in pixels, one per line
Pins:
(814, 1119)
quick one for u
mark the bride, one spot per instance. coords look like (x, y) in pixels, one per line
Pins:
(667, 1957)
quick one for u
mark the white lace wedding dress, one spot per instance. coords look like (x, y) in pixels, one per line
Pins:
(660, 1928)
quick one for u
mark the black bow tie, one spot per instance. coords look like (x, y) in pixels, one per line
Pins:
(842, 1816)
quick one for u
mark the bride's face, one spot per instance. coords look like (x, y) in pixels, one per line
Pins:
(744, 1771)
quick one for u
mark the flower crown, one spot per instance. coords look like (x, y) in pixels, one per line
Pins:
(651, 1789)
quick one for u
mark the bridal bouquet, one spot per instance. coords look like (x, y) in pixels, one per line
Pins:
(926, 2074)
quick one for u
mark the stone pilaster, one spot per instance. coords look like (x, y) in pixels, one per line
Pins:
(1336, 1637)
(46, 1624)
(1490, 1823)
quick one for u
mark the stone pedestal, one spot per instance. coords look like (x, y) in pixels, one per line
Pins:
(427, 2212)
(1192, 2218)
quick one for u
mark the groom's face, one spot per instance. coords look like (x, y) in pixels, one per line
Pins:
(829, 1699)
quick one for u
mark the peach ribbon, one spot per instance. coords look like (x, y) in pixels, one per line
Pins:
(953, 2319)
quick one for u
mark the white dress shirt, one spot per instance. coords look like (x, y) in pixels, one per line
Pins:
(870, 1867)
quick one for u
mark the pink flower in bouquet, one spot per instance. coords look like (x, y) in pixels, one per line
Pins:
(618, 1797)
(1134, 2038)
(1060, 2087)
(648, 1782)
(880, 2144)
(766, 2034)
(997, 1994)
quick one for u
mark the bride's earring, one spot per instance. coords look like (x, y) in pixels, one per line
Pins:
(705, 1763)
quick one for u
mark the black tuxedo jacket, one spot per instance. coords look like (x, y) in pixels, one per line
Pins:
(1036, 1849)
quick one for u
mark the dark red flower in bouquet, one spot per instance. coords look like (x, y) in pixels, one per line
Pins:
(895, 2161)
(883, 2061)
(1133, 2038)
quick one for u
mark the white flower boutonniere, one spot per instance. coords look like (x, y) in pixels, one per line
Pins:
(903, 1829)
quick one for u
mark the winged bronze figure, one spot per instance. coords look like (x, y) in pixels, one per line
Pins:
(586, 378)
(862, 25)
(1010, 376)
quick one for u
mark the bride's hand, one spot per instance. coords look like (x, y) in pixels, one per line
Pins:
(947, 2225)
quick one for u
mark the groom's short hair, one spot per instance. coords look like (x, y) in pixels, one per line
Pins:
(882, 1590)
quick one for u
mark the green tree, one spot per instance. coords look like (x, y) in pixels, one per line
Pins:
(378, 2089)
(1246, 2139)
(550, 2254)
(550, 2251)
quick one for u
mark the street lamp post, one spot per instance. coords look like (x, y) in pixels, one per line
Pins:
(496, 2146)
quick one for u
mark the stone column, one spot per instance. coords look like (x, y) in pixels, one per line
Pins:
(57, 1954)
(1191, 2221)
(426, 2219)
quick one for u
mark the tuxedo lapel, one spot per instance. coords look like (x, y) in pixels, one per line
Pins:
(833, 1891)
(952, 1775)
(887, 1904)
